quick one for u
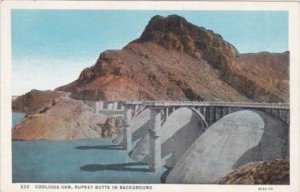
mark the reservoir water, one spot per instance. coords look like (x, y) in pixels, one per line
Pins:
(80, 161)
(16, 117)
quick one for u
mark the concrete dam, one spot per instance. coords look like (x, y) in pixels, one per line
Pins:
(201, 142)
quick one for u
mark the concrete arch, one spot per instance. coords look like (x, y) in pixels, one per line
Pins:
(198, 113)
(279, 114)
(139, 111)
(214, 113)
(236, 139)
(182, 127)
(202, 118)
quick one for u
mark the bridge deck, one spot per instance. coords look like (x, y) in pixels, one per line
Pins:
(204, 103)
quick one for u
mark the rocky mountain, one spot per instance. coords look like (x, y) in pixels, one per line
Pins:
(263, 76)
(36, 101)
(53, 115)
(176, 60)
(261, 172)
(172, 60)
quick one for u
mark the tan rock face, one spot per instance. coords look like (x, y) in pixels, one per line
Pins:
(263, 172)
(262, 76)
(36, 101)
(174, 32)
(67, 119)
(150, 72)
(176, 60)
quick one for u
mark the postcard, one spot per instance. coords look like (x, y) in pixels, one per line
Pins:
(150, 96)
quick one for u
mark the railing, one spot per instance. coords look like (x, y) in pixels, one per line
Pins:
(206, 103)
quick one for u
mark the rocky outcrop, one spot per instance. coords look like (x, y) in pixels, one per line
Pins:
(176, 60)
(267, 79)
(262, 172)
(174, 32)
(129, 75)
(62, 118)
(36, 101)
(112, 127)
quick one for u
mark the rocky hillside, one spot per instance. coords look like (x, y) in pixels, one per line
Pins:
(68, 120)
(266, 76)
(53, 115)
(176, 60)
(36, 101)
(263, 172)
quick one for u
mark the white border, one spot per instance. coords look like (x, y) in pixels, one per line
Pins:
(293, 9)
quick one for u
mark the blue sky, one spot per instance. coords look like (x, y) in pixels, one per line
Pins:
(51, 47)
